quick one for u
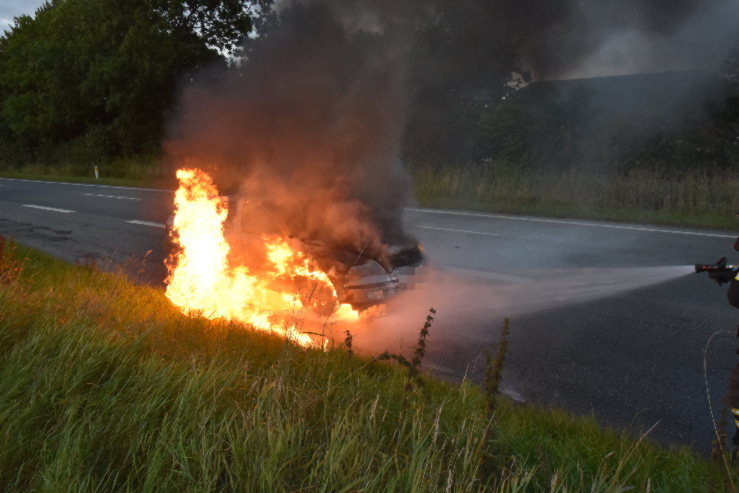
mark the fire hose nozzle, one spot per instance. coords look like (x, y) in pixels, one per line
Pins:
(720, 271)
(717, 267)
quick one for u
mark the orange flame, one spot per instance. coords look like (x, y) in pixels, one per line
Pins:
(201, 281)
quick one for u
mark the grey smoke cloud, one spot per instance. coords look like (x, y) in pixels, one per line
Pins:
(633, 36)
(315, 117)
(311, 123)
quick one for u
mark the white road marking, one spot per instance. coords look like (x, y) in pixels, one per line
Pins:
(456, 230)
(111, 196)
(147, 223)
(42, 207)
(90, 185)
(573, 223)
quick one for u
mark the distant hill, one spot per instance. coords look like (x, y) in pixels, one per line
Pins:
(692, 94)
(670, 119)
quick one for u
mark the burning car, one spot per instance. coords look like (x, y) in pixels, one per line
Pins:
(359, 278)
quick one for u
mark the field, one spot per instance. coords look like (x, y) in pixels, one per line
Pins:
(105, 386)
(689, 199)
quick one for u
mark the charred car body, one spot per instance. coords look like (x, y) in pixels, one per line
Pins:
(359, 276)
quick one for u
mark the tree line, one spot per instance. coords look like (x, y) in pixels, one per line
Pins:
(673, 122)
(89, 81)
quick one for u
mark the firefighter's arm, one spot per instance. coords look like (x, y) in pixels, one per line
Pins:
(723, 276)
(733, 293)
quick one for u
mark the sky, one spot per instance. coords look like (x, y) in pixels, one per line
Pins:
(14, 8)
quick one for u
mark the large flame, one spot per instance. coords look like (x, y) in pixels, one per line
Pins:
(201, 280)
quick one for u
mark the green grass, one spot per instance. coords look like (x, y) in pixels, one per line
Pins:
(104, 386)
(692, 199)
(121, 182)
(130, 173)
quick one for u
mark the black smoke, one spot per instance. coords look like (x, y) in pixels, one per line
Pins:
(330, 93)
(310, 125)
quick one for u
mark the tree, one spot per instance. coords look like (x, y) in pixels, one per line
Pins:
(104, 73)
(504, 133)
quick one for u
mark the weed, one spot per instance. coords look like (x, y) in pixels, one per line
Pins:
(494, 369)
(493, 374)
(414, 365)
(348, 343)
(10, 265)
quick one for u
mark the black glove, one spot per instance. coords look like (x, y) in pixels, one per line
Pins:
(722, 277)
(722, 274)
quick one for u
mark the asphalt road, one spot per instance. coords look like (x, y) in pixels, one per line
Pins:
(605, 318)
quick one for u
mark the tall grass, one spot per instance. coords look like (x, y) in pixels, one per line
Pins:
(691, 198)
(122, 171)
(104, 386)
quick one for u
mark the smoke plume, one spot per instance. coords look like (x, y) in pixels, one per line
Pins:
(313, 119)
(310, 125)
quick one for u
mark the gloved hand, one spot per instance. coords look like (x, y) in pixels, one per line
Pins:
(721, 275)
